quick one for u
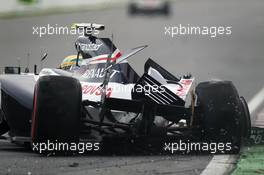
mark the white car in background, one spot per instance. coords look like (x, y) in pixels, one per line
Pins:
(144, 6)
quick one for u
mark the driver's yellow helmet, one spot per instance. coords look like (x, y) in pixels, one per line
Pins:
(70, 61)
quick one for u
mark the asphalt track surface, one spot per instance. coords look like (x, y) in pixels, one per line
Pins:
(238, 57)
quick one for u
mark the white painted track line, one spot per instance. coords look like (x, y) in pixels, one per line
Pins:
(220, 165)
(224, 164)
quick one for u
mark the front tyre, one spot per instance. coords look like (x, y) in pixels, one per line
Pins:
(4, 128)
(221, 113)
(57, 110)
(245, 119)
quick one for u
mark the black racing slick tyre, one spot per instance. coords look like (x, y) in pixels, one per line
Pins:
(221, 113)
(57, 110)
(246, 121)
(4, 128)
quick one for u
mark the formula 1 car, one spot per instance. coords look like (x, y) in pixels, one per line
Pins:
(96, 96)
(144, 6)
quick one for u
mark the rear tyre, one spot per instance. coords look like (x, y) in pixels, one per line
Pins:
(57, 110)
(245, 119)
(221, 113)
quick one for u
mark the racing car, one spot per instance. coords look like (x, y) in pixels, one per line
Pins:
(143, 6)
(96, 96)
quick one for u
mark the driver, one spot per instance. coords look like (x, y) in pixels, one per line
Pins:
(70, 61)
